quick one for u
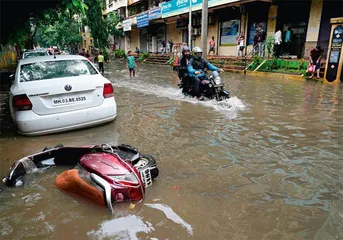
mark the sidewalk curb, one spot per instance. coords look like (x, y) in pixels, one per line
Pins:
(282, 76)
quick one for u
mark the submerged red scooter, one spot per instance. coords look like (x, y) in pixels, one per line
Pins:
(104, 174)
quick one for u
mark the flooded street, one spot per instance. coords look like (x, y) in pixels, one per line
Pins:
(265, 164)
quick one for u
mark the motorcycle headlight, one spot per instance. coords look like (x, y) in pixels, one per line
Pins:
(215, 74)
(218, 80)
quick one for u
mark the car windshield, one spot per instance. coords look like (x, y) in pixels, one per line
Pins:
(34, 54)
(55, 69)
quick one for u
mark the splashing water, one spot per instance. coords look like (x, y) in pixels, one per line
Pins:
(229, 107)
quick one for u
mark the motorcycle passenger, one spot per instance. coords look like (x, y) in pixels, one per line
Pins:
(197, 68)
(182, 69)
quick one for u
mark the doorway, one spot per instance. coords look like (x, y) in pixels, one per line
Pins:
(294, 16)
(185, 35)
(143, 39)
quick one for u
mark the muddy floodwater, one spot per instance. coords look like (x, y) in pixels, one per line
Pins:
(265, 164)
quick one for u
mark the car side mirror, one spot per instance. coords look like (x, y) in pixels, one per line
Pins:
(11, 77)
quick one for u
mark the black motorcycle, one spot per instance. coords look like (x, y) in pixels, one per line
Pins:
(211, 87)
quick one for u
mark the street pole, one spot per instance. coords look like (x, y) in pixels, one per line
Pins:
(204, 25)
(190, 25)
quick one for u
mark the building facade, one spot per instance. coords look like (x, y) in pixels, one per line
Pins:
(148, 24)
(87, 40)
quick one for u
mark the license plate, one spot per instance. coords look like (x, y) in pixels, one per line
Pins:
(68, 100)
(146, 177)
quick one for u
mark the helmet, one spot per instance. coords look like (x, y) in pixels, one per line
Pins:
(185, 48)
(197, 50)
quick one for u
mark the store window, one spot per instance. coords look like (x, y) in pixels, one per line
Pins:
(229, 32)
(254, 28)
(257, 19)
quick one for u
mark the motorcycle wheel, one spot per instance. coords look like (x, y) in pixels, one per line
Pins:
(147, 161)
(225, 94)
(218, 97)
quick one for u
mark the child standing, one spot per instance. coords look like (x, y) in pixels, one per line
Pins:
(131, 64)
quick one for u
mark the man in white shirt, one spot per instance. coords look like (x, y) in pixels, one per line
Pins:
(277, 43)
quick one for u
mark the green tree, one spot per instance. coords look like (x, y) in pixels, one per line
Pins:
(96, 23)
(24, 36)
(101, 27)
(64, 32)
(112, 21)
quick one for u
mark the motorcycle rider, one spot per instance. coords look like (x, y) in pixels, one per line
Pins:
(182, 69)
(197, 68)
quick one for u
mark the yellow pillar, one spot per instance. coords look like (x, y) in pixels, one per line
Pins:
(313, 26)
(244, 27)
(135, 40)
(272, 15)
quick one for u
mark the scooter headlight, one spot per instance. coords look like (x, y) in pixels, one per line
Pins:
(218, 80)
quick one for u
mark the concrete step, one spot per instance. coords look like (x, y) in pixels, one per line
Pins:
(231, 66)
(232, 70)
(157, 63)
(157, 58)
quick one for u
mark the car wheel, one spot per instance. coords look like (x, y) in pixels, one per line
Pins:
(147, 161)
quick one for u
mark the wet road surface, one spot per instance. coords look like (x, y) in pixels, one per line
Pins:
(266, 164)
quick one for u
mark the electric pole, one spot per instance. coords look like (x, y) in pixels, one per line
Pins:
(190, 26)
(204, 25)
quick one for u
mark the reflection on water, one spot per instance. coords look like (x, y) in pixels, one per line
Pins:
(266, 164)
(170, 214)
(121, 228)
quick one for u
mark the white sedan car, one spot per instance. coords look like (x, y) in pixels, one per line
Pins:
(52, 95)
(34, 53)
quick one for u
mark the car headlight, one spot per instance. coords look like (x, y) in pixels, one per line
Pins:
(217, 80)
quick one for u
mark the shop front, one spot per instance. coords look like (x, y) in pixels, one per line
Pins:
(257, 20)
(229, 27)
(142, 25)
(156, 35)
(127, 27)
(157, 31)
(292, 20)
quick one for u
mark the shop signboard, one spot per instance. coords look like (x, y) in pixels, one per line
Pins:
(155, 13)
(143, 20)
(229, 32)
(177, 7)
(127, 25)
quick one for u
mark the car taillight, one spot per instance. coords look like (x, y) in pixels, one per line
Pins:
(108, 90)
(21, 103)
